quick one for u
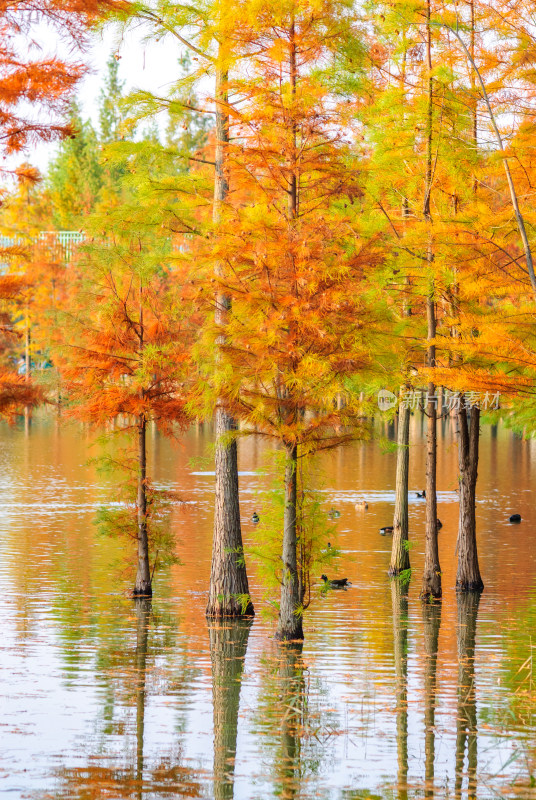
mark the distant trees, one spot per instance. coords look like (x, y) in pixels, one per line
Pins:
(34, 95)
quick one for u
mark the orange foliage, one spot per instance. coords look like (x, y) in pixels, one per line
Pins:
(43, 84)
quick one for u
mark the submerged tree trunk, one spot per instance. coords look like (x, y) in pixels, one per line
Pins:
(399, 598)
(143, 576)
(289, 626)
(228, 578)
(432, 622)
(399, 551)
(468, 577)
(466, 717)
(228, 645)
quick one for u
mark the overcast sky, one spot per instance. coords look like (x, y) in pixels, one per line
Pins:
(143, 65)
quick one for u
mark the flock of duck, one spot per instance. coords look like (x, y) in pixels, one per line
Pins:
(333, 513)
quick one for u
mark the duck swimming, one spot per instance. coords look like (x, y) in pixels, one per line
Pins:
(515, 518)
(333, 513)
(421, 494)
(255, 518)
(335, 583)
(386, 529)
(362, 505)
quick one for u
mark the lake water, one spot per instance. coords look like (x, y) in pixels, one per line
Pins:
(102, 697)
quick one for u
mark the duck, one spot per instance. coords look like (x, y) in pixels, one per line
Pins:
(362, 505)
(335, 583)
(515, 518)
(421, 494)
(255, 518)
(333, 513)
(386, 529)
(439, 524)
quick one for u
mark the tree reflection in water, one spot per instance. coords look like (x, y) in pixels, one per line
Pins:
(228, 646)
(432, 621)
(466, 720)
(292, 708)
(127, 674)
(143, 614)
(399, 599)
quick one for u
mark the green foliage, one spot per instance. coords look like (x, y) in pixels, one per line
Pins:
(110, 113)
(120, 519)
(404, 577)
(75, 176)
(314, 529)
(244, 600)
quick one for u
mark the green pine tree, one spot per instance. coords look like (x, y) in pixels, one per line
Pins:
(75, 177)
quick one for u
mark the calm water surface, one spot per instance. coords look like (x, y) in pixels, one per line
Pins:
(102, 697)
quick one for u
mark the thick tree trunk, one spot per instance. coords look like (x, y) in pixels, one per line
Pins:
(228, 645)
(466, 717)
(399, 551)
(468, 577)
(228, 577)
(432, 622)
(142, 587)
(289, 626)
(399, 598)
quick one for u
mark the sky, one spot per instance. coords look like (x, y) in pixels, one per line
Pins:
(142, 65)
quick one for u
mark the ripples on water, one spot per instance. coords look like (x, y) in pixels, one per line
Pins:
(105, 698)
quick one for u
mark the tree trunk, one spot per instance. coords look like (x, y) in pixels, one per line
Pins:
(431, 581)
(466, 717)
(28, 372)
(289, 626)
(27, 353)
(468, 577)
(228, 645)
(142, 587)
(399, 551)
(399, 598)
(432, 622)
(228, 577)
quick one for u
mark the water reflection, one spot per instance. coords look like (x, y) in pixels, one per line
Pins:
(292, 709)
(228, 646)
(432, 622)
(105, 698)
(466, 719)
(399, 599)
(143, 613)
(127, 670)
